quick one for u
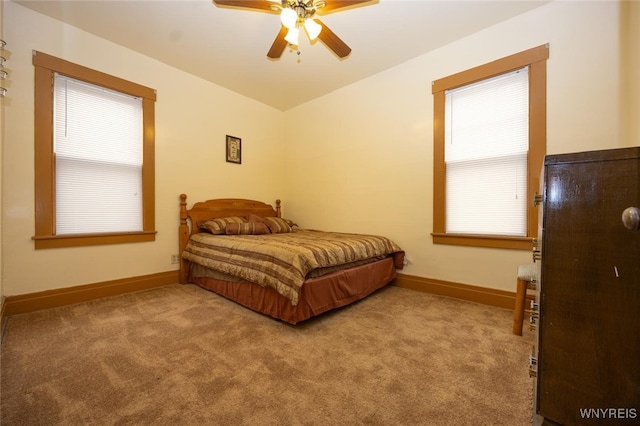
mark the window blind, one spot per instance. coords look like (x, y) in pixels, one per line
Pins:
(486, 145)
(98, 159)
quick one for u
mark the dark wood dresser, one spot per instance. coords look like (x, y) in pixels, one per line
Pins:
(587, 355)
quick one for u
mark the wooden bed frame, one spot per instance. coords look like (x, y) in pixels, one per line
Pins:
(318, 295)
(223, 207)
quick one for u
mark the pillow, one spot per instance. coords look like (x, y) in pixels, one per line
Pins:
(255, 218)
(250, 228)
(218, 226)
(277, 225)
(290, 222)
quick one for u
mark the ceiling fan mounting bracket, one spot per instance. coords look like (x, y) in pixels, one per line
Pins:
(303, 9)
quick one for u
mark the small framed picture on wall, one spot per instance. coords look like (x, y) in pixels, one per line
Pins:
(234, 150)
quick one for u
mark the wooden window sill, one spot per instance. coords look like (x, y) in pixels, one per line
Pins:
(78, 240)
(492, 241)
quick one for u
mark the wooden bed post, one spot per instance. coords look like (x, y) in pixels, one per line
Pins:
(278, 211)
(183, 236)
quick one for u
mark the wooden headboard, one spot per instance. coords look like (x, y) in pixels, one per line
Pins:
(223, 207)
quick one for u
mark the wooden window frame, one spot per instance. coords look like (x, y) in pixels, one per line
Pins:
(45, 221)
(535, 59)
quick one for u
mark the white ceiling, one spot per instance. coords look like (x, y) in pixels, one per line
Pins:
(228, 46)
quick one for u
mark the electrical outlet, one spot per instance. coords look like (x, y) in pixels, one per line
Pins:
(175, 258)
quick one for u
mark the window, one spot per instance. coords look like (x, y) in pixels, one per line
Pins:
(94, 157)
(485, 151)
(489, 145)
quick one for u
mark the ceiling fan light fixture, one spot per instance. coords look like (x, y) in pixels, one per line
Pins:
(295, 14)
(292, 36)
(288, 17)
(313, 28)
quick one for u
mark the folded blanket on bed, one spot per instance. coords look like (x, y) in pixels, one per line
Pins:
(282, 261)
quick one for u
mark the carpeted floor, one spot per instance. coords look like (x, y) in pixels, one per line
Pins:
(179, 355)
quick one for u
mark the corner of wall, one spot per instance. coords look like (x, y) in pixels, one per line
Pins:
(3, 320)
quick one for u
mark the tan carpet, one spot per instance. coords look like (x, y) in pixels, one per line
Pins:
(179, 355)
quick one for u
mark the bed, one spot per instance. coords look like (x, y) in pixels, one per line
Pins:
(247, 252)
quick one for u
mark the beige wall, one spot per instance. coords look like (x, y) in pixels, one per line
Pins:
(192, 118)
(366, 164)
(630, 76)
(2, 101)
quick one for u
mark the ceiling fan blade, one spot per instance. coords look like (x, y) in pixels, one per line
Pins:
(279, 44)
(339, 4)
(332, 41)
(248, 4)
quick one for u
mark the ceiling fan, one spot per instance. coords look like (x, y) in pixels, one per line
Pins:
(297, 14)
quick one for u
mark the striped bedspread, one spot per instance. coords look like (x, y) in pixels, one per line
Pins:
(282, 261)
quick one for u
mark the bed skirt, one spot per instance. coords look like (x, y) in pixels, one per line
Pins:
(317, 295)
